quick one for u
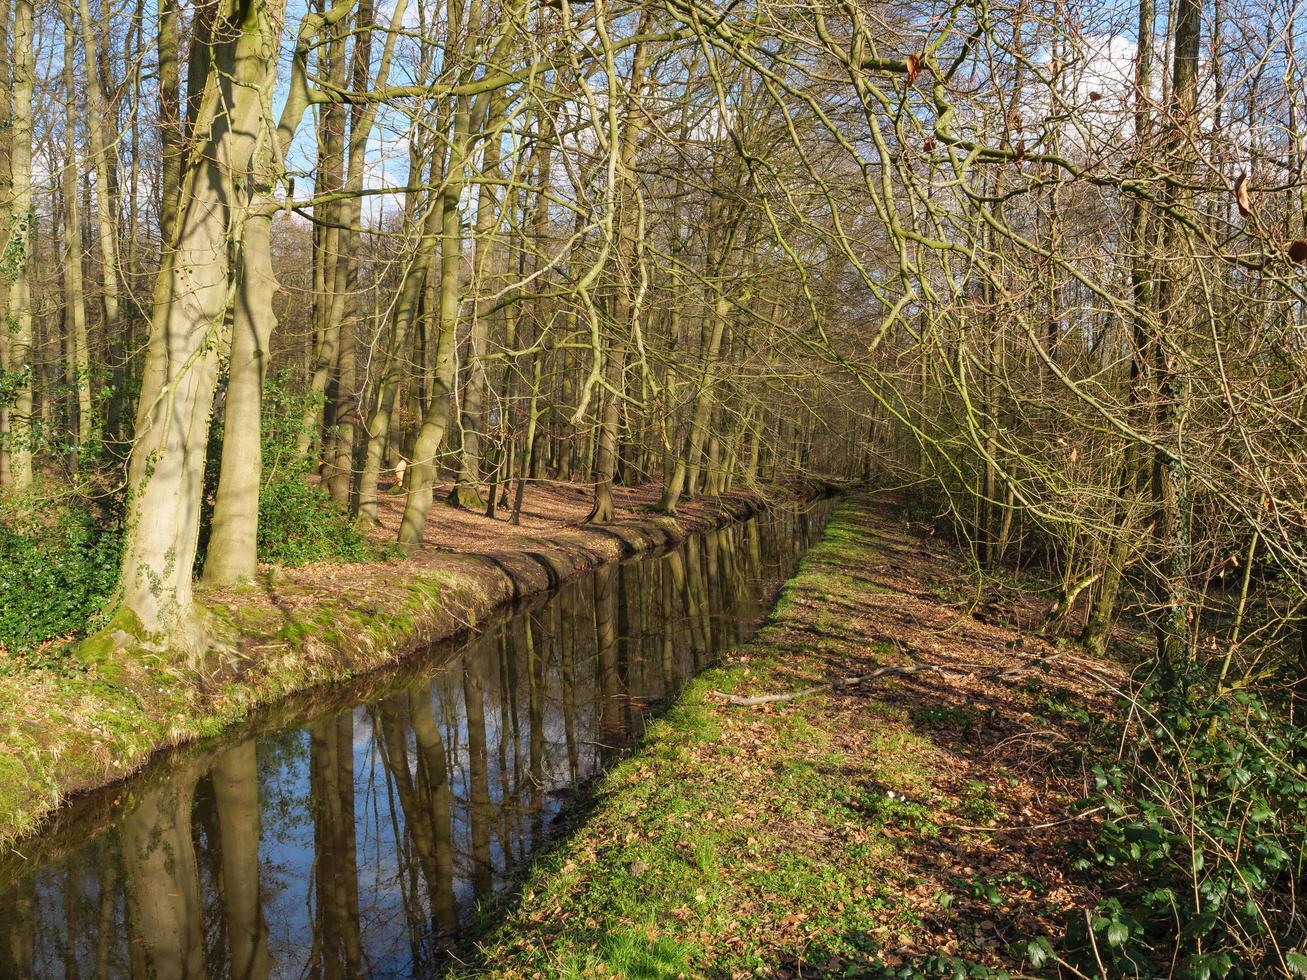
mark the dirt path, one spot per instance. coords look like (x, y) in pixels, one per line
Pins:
(927, 813)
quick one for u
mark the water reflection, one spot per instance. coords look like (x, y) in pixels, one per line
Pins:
(354, 844)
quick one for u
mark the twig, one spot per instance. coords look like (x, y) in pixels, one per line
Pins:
(1034, 826)
(843, 682)
(1093, 941)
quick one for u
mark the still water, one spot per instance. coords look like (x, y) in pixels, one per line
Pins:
(354, 839)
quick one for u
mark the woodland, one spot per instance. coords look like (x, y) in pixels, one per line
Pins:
(1035, 269)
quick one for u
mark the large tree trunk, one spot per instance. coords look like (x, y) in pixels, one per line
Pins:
(166, 472)
(233, 543)
(233, 553)
(6, 190)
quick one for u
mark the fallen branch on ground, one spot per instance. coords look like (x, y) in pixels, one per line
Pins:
(951, 672)
(1032, 826)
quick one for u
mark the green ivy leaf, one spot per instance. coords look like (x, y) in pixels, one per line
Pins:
(1117, 933)
(1040, 951)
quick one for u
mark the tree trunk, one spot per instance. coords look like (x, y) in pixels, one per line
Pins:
(21, 432)
(74, 294)
(486, 279)
(163, 886)
(233, 553)
(105, 185)
(166, 471)
(235, 791)
(703, 402)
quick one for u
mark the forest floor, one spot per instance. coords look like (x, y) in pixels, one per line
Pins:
(851, 832)
(86, 719)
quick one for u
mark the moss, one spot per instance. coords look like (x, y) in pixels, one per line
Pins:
(104, 650)
(15, 787)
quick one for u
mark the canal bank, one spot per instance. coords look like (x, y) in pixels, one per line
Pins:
(353, 833)
(85, 724)
(883, 779)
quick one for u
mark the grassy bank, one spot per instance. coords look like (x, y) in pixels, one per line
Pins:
(75, 720)
(900, 827)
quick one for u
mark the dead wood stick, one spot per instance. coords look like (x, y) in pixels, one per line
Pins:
(842, 682)
(1032, 826)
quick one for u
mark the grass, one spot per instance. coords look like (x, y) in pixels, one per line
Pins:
(813, 837)
(652, 886)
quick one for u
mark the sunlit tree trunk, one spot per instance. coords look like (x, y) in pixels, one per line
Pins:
(407, 311)
(74, 294)
(486, 279)
(165, 477)
(104, 165)
(328, 178)
(232, 554)
(703, 404)
(1130, 481)
(21, 433)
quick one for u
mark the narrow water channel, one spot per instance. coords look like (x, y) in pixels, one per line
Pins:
(353, 841)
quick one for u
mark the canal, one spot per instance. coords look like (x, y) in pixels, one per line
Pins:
(352, 834)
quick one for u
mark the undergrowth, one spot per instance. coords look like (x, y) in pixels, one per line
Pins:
(1203, 844)
(60, 548)
(57, 574)
(299, 524)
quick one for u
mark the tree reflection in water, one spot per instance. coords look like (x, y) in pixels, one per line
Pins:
(355, 843)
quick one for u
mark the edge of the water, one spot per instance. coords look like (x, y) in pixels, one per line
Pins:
(493, 945)
(102, 727)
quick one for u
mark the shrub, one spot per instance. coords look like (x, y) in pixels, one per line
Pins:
(57, 575)
(1203, 842)
(298, 522)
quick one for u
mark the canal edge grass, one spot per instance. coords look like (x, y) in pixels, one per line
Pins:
(66, 733)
